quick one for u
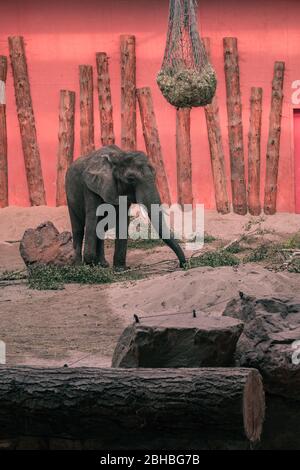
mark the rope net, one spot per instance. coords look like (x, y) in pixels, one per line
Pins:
(186, 78)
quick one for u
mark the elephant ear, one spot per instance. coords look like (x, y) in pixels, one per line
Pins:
(99, 178)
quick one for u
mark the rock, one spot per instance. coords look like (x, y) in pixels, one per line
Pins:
(178, 341)
(272, 326)
(45, 245)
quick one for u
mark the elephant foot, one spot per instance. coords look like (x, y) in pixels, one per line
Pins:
(121, 268)
(103, 263)
(78, 261)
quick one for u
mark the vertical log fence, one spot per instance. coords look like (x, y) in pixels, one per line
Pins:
(26, 121)
(3, 135)
(128, 92)
(216, 149)
(104, 97)
(254, 138)
(87, 144)
(183, 156)
(235, 126)
(273, 146)
(152, 142)
(66, 142)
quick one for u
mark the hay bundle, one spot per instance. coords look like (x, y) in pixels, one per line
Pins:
(186, 78)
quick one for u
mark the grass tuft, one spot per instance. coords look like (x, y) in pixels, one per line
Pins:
(214, 259)
(55, 277)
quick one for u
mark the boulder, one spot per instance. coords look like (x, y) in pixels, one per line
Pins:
(269, 341)
(178, 341)
(45, 245)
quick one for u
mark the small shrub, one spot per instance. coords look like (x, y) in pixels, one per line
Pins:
(258, 254)
(214, 259)
(293, 242)
(209, 238)
(55, 277)
(294, 266)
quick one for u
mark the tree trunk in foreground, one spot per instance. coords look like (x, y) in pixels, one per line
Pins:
(26, 121)
(122, 406)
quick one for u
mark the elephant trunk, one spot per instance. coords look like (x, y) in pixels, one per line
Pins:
(148, 198)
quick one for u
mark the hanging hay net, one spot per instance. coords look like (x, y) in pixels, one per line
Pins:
(186, 78)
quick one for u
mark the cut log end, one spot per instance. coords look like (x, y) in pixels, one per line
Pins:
(254, 406)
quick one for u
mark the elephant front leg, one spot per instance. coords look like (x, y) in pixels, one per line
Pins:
(90, 241)
(101, 255)
(121, 244)
(93, 247)
(120, 254)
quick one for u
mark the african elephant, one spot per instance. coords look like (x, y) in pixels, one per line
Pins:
(101, 177)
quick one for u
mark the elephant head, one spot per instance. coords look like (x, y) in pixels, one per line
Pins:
(112, 173)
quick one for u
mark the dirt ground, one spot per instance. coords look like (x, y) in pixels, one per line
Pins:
(80, 325)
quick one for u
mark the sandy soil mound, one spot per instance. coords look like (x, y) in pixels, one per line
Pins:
(80, 325)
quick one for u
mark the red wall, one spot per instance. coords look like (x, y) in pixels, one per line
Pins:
(60, 35)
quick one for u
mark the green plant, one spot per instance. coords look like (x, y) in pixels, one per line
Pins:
(293, 242)
(294, 266)
(209, 238)
(55, 277)
(260, 253)
(214, 259)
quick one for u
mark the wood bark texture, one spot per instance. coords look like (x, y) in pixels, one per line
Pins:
(27, 121)
(235, 126)
(152, 142)
(126, 405)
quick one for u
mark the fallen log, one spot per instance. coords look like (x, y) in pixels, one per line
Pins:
(254, 205)
(3, 135)
(66, 142)
(124, 407)
(27, 121)
(152, 141)
(216, 149)
(104, 97)
(235, 126)
(128, 92)
(87, 143)
(183, 156)
(178, 341)
(273, 146)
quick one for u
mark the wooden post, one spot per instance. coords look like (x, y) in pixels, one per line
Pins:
(273, 146)
(26, 121)
(183, 153)
(216, 149)
(66, 142)
(235, 126)
(152, 141)
(3, 135)
(87, 144)
(128, 93)
(104, 96)
(254, 205)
